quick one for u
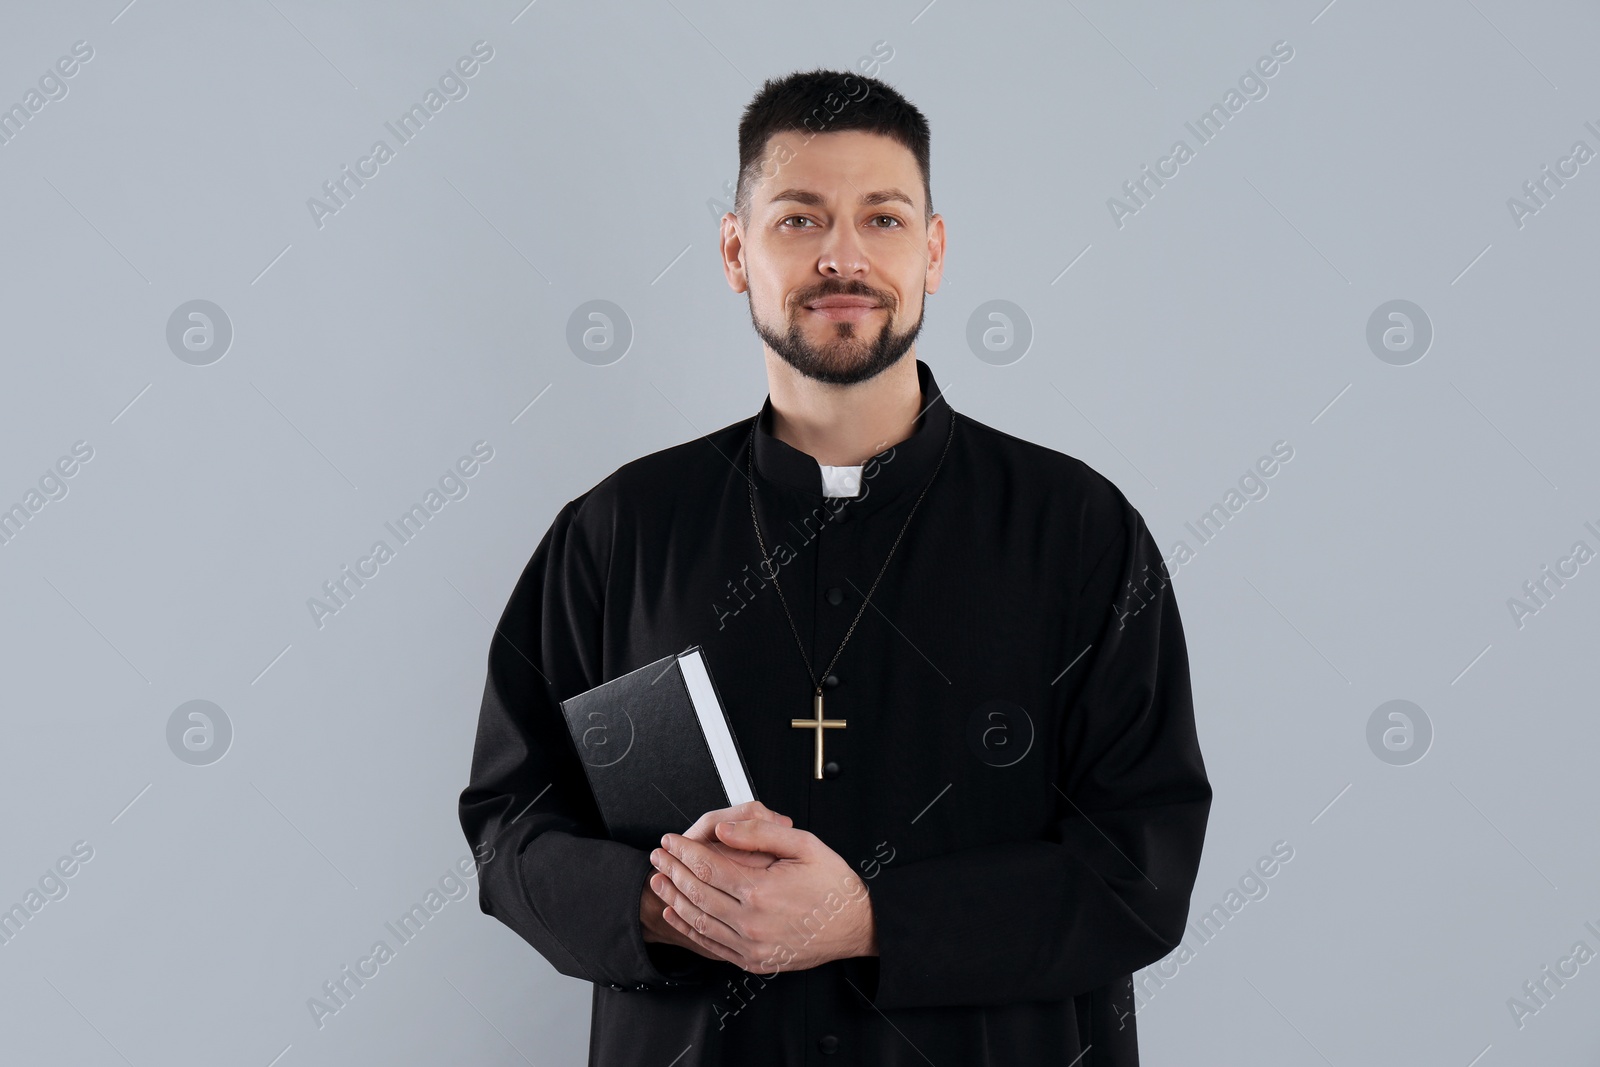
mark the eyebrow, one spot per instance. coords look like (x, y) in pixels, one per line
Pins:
(881, 196)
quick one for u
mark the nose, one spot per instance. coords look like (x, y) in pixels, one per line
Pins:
(844, 255)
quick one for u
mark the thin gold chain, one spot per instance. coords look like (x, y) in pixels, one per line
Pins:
(767, 560)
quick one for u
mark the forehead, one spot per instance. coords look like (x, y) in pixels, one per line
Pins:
(837, 168)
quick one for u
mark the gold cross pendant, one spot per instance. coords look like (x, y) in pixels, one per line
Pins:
(818, 723)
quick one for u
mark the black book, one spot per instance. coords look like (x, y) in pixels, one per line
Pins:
(658, 748)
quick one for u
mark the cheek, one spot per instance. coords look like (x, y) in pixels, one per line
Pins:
(767, 294)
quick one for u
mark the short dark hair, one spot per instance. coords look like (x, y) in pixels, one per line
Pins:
(826, 101)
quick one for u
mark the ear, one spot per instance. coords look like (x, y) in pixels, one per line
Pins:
(935, 250)
(732, 250)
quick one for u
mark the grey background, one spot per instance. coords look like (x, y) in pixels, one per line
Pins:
(588, 161)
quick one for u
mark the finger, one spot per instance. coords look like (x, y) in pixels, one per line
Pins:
(746, 858)
(739, 861)
(758, 835)
(750, 809)
(715, 883)
(698, 942)
(761, 860)
(756, 809)
(703, 923)
(660, 890)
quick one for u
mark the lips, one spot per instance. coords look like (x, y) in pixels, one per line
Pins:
(842, 302)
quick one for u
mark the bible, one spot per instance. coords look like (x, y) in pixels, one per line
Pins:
(658, 749)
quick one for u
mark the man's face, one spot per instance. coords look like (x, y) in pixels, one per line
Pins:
(837, 256)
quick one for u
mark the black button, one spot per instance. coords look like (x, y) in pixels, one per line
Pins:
(827, 1044)
(830, 769)
(835, 595)
(842, 515)
(642, 986)
(614, 985)
(830, 681)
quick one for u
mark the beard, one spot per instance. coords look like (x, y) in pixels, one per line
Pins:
(851, 353)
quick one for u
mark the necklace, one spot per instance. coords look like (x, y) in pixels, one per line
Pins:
(817, 723)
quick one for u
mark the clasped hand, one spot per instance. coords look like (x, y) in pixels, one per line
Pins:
(743, 885)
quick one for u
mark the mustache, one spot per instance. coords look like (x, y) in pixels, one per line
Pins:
(857, 289)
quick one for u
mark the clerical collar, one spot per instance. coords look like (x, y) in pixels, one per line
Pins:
(901, 466)
(841, 481)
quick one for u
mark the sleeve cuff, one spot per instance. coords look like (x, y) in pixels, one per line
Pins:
(657, 964)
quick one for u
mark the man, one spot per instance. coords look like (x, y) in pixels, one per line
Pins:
(995, 815)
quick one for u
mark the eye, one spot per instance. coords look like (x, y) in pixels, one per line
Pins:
(802, 218)
(891, 218)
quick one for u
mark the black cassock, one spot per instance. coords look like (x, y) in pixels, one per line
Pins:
(1019, 785)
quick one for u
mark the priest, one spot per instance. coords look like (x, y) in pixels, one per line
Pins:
(952, 658)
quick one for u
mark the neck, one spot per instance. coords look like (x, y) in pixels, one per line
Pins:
(844, 425)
